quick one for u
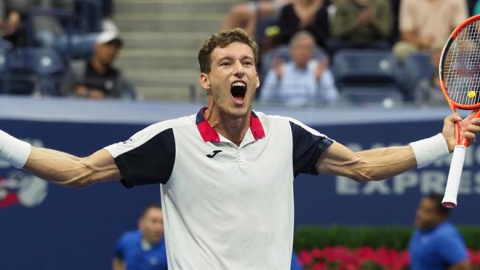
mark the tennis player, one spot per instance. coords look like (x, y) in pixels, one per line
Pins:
(226, 173)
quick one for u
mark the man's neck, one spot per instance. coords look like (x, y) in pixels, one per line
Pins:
(233, 129)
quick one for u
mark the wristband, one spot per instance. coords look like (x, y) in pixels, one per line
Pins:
(13, 150)
(429, 150)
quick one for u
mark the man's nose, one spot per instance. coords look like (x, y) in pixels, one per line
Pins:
(238, 69)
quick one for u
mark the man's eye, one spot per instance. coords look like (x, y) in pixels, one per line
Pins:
(224, 64)
(248, 63)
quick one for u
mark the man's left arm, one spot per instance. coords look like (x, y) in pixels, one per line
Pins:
(384, 163)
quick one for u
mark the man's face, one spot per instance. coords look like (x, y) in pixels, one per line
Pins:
(151, 225)
(302, 51)
(106, 53)
(427, 215)
(232, 80)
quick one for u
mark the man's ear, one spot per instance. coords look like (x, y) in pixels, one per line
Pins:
(205, 81)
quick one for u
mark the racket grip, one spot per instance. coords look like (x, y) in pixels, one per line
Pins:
(453, 180)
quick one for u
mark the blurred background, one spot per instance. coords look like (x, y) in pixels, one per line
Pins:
(77, 75)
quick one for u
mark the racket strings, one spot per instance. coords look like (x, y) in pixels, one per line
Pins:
(461, 68)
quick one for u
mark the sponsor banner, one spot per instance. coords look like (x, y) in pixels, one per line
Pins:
(329, 200)
(63, 228)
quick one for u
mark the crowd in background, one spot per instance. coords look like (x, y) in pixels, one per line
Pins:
(61, 48)
(81, 42)
(398, 33)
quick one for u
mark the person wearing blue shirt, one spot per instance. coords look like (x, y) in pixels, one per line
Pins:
(143, 249)
(296, 265)
(436, 243)
(301, 81)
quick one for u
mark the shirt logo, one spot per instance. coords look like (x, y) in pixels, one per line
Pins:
(215, 152)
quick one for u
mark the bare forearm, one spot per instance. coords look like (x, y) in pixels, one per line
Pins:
(384, 163)
(65, 169)
(376, 164)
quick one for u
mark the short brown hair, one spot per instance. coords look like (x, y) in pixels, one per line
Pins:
(223, 39)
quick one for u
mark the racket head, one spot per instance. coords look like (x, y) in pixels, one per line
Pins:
(459, 67)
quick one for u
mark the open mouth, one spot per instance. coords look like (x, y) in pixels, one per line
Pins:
(238, 90)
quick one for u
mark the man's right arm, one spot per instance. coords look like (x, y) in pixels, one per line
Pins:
(67, 170)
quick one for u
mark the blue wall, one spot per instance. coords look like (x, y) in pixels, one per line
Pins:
(77, 229)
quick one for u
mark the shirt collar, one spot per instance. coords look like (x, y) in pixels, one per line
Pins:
(210, 135)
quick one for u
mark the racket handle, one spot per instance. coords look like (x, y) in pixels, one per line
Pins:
(453, 180)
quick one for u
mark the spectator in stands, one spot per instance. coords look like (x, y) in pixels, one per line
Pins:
(144, 248)
(13, 23)
(361, 24)
(97, 78)
(309, 15)
(296, 265)
(48, 29)
(428, 90)
(301, 81)
(245, 15)
(424, 23)
(436, 243)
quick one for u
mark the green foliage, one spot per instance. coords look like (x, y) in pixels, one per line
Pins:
(395, 237)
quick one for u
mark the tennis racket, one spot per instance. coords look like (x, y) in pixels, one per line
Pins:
(459, 70)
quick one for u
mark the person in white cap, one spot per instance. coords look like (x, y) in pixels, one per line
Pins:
(97, 78)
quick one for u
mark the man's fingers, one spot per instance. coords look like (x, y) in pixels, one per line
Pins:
(454, 117)
(470, 136)
(473, 129)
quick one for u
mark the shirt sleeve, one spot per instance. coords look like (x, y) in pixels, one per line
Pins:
(405, 16)
(147, 157)
(308, 146)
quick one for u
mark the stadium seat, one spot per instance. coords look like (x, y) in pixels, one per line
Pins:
(5, 48)
(416, 66)
(35, 70)
(371, 96)
(365, 67)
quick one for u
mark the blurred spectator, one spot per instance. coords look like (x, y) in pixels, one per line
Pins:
(13, 23)
(97, 78)
(428, 91)
(47, 29)
(361, 24)
(424, 23)
(296, 265)
(436, 243)
(91, 17)
(246, 15)
(301, 81)
(143, 249)
(309, 15)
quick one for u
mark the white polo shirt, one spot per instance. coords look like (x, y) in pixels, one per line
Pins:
(225, 206)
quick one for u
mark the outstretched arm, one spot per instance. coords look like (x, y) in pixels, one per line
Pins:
(58, 167)
(67, 170)
(376, 164)
(383, 163)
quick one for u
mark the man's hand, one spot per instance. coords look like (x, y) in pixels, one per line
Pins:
(469, 127)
